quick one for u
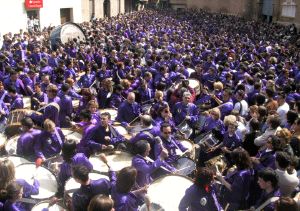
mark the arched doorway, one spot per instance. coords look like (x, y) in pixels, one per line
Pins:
(106, 7)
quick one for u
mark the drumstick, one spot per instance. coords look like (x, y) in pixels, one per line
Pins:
(104, 160)
(134, 120)
(162, 167)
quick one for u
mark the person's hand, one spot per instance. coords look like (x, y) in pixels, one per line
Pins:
(38, 162)
(107, 138)
(188, 118)
(43, 104)
(164, 154)
(110, 147)
(255, 160)
(2, 112)
(53, 201)
(103, 147)
(224, 149)
(103, 158)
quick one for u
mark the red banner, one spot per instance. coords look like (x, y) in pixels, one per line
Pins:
(33, 4)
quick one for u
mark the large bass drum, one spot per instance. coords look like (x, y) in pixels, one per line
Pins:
(66, 32)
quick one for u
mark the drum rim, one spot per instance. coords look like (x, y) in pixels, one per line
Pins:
(45, 201)
(167, 175)
(71, 129)
(56, 179)
(109, 153)
(15, 155)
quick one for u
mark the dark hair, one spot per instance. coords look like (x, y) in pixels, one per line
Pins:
(106, 114)
(204, 176)
(13, 190)
(12, 89)
(291, 116)
(80, 172)
(254, 124)
(68, 149)
(163, 125)
(126, 179)
(85, 114)
(260, 99)
(274, 121)
(286, 204)
(269, 175)
(241, 159)
(27, 122)
(65, 87)
(101, 203)
(278, 144)
(270, 92)
(283, 159)
(140, 147)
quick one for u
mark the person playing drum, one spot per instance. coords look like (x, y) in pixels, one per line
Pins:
(88, 189)
(7, 175)
(129, 110)
(66, 107)
(148, 132)
(93, 107)
(103, 136)
(144, 165)
(25, 144)
(201, 195)
(38, 98)
(16, 99)
(71, 158)
(51, 107)
(167, 141)
(158, 103)
(101, 202)
(13, 192)
(50, 142)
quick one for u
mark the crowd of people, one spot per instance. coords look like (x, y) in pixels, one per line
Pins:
(228, 85)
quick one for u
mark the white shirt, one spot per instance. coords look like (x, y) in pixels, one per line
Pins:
(282, 110)
(244, 110)
(287, 182)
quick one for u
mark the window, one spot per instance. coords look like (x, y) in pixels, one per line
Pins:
(289, 8)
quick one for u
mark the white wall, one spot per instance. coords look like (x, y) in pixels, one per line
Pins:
(50, 13)
(12, 15)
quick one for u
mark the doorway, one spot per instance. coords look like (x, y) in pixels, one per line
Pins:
(106, 7)
(66, 15)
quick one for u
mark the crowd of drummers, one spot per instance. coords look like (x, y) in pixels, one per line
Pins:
(209, 98)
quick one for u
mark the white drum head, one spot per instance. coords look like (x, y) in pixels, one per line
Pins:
(153, 207)
(122, 130)
(113, 113)
(44, 204)
(70, 134)
(187, 144)
(17, 160)
(75, 103)
(168, 191)
(11, 145)
(48, 183)
(118, 160)
(3, 140)
(27, 102)
(72, 184)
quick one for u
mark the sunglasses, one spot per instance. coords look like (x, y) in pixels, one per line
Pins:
(169, 132)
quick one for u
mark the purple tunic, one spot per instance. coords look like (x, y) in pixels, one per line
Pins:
(25, 145)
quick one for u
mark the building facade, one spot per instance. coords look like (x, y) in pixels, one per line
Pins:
(19, 13)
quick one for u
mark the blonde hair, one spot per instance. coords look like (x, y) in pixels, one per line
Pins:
(216, 111)
(7, 172)
(285, 134)
(230, 119)
(218, 85)
(49, 125)
(92, 103)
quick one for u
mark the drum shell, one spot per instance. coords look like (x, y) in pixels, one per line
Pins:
(219, 161)
(185, 166)
(190, 146)
(17, 160)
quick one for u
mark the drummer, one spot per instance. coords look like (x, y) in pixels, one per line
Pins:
(25, 143)
(185, 110)
(93, 106)
(104, 136)
(129, 110)
(88, 189)
(144, 165)
(50, 142)
(51, 107)
(201, 195)
(158, 103)
(66, 107)
(71, 158)
(167, 141)
(38, 97)
(4, 112)
(16, 99)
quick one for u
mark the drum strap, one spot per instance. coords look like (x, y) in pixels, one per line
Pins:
(58, 136)
(50, 104)
(46, 99)
(269, 201)
(148, 134)
(3, 96)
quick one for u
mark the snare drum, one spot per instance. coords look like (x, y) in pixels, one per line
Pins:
(48, 183)
(72, 134)
(117, 159)
(45, 205)
(11, 145)
(146, 108)
(185, 166)
(17, 160)
(75, 103)
(217, 162)
(113, 113)
(190, 146)
(168, 191)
